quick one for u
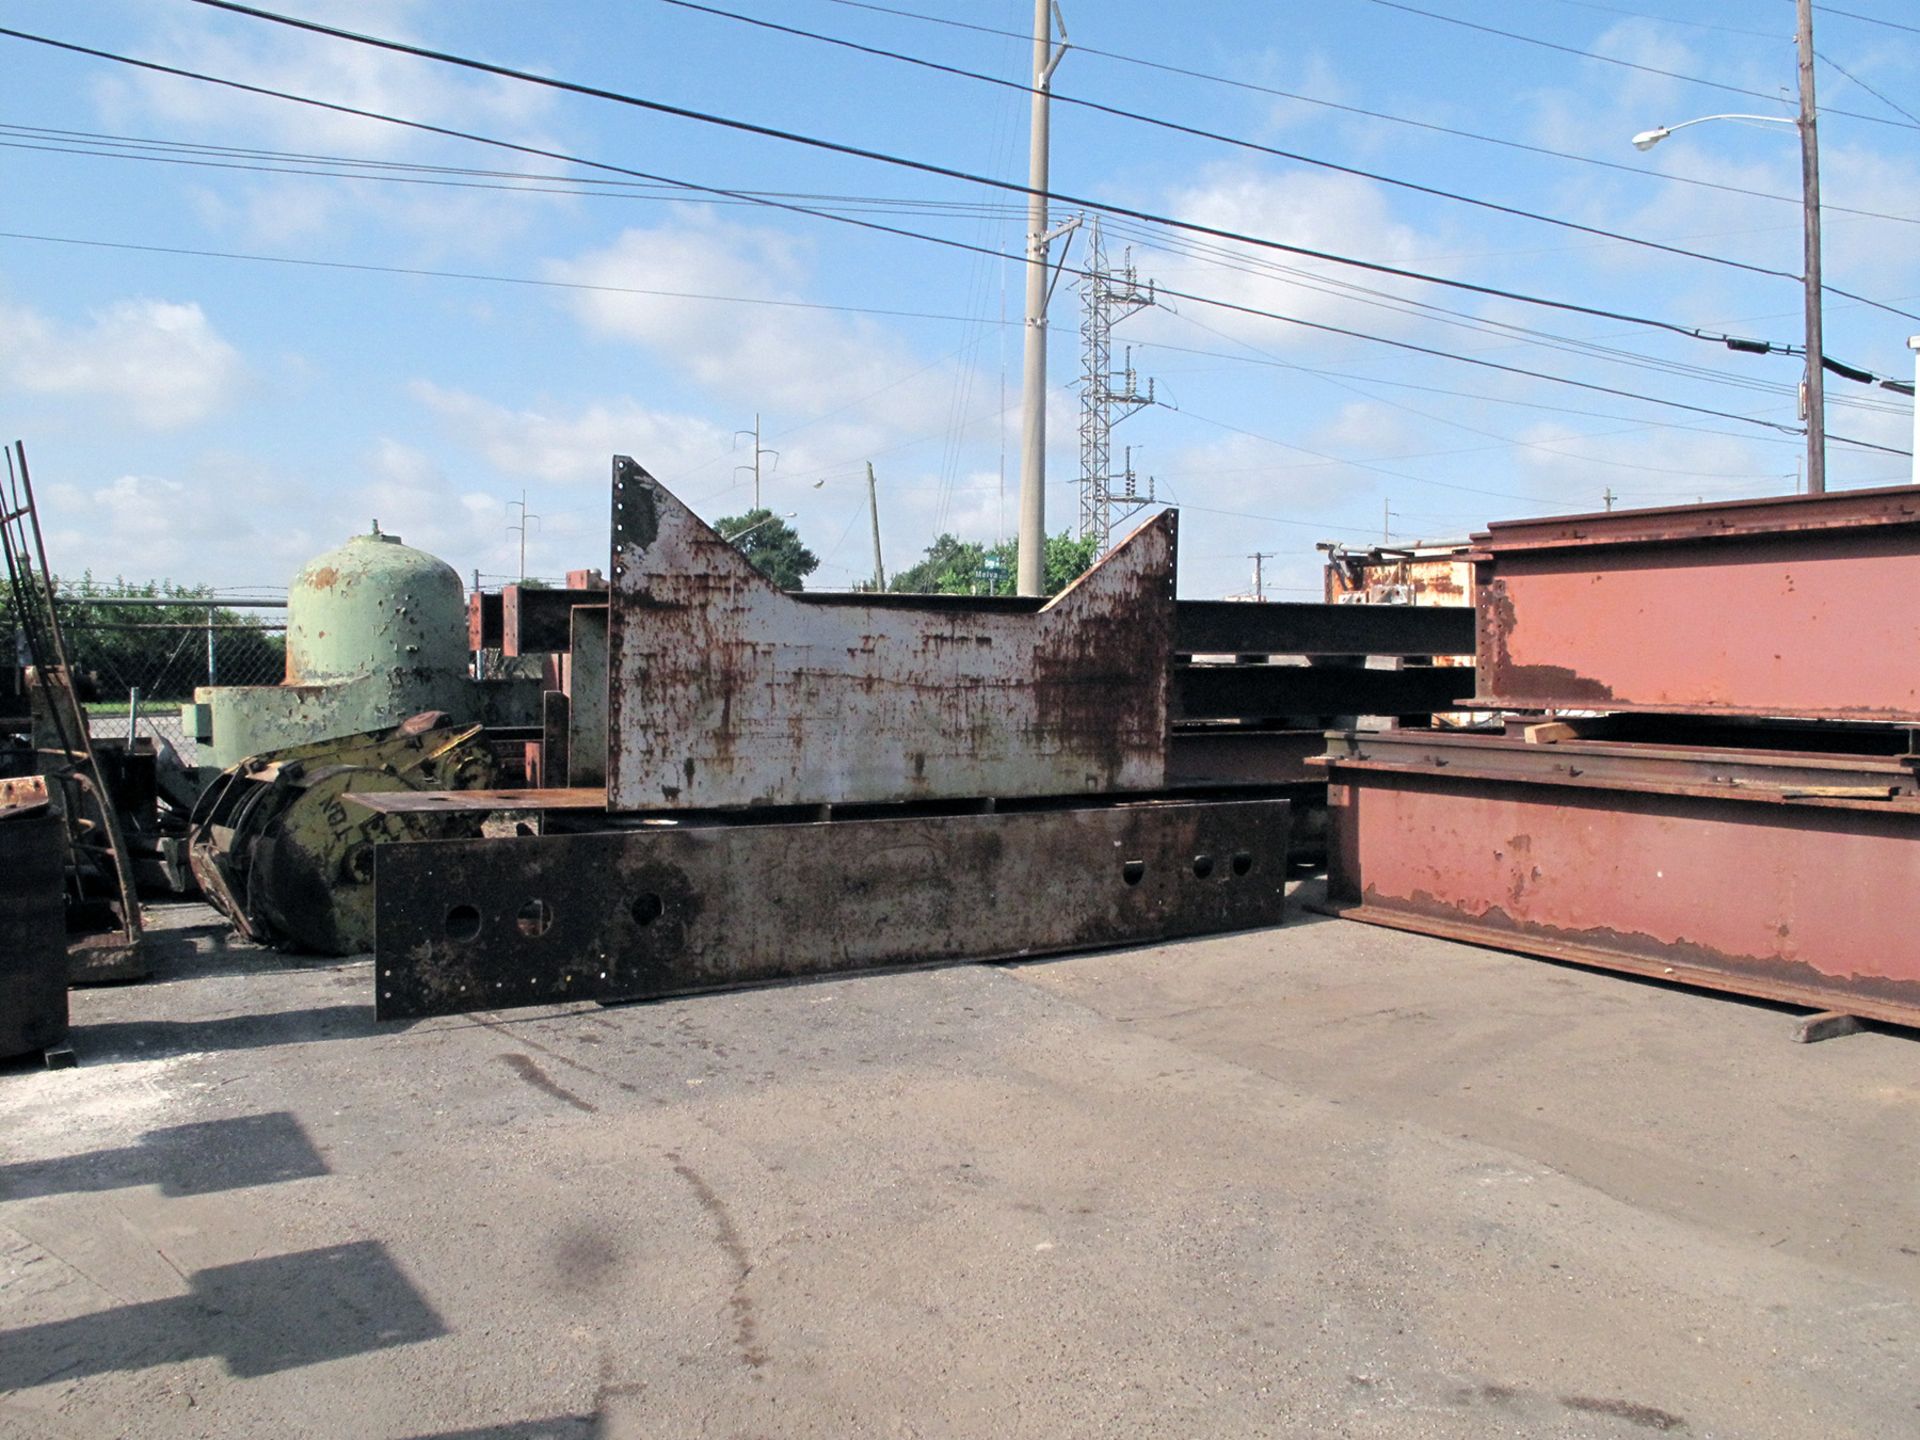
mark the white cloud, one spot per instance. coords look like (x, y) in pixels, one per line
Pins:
(1337, 214)
(280, 58)
(759, 355)
(161, 360)
(555, 448)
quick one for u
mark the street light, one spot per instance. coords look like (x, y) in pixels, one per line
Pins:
(1816, 396)
(1647, 139)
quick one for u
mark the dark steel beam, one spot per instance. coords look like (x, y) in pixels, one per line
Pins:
(1255, 692)
(640, 913)
(1226, 627)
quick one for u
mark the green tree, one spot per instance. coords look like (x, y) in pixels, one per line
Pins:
(967, 567)
(772, 545)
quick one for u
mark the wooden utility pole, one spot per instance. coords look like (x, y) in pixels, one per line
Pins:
(1816, 393)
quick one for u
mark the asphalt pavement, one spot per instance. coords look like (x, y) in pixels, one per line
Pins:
(1323, 1180)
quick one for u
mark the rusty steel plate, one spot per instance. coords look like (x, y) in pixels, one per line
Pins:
(1776, 607)
(726, 692)
(639, 913)
(1794, 878)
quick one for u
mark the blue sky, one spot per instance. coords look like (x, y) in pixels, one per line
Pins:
(220, 419)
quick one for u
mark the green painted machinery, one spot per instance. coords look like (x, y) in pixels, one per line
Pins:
(376, 631)
(279, 846)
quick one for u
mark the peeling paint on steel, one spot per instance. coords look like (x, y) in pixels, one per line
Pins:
(779, 700)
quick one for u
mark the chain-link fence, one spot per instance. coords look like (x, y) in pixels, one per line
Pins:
(140, 657)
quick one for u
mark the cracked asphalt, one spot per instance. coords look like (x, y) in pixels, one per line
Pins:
(1323, 1180)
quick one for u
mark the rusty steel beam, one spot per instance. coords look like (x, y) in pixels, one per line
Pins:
(1227, 627)
(640, 913)
(1786, 606)
(726, 692)
(538, 621)
(1790, 877)
(1255, 692)
(486, 621)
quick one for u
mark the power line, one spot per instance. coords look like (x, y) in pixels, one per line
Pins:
(1870, 19)
(927, 167)
(1868, 88)
(1160, 122)
(419, 271)
(1217, 79)
(428, 128)
(1610, 60)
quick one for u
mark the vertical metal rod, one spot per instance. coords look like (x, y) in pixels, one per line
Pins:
(1810, 199)
(1032, 566)
(1913, 344)
(873, 509)
(213, 670)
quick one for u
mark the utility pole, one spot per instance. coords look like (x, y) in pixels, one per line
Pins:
(1913, 344)
(1259, 579)
(1386, 518)
(521, 527)
(1108, 296)
(873, 510)
(758, 451)
(1609, 497)
(1033, 412)
(1816, 392)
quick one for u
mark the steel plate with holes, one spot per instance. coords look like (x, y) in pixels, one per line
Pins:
(631, 914)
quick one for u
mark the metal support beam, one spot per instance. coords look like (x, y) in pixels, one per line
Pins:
(636, 914)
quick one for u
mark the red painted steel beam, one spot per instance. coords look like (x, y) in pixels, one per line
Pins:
(1791, 606)
(1755, 874)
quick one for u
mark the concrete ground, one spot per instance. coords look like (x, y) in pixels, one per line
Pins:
(1320, 1181)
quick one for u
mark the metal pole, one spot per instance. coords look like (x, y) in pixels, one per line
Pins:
(1913, 344)
(1033, 410)
(1810, 185)
(873, 509)
(213, 677)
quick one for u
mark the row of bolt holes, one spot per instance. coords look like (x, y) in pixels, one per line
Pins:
(1132, 871)
(535, 917)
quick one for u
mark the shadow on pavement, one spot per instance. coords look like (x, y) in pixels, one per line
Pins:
(198, 1159)
(556, 1427)
(259, 1316)
(153, 1039)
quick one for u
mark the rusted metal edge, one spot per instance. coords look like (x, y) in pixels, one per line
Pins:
(1760, 777)
(1733, 519)
(1815, 997)
(451, 802)
(1564, 703)
(464, 925)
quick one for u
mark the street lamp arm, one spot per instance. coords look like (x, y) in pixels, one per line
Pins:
(1647, 139)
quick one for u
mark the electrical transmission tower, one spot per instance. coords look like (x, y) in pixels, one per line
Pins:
(1107, 396)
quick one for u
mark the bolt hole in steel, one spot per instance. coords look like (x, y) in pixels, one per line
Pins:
(463, 922)
(535, 918)
(647, 908)
(1132, 870)
(1242, 862)
(1203, 866)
